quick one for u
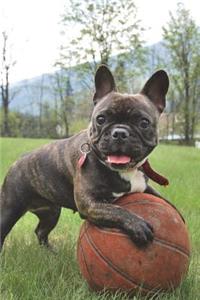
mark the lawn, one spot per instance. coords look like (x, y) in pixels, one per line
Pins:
(30, 272)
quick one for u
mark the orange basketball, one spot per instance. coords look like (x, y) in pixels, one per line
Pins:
(109, 260)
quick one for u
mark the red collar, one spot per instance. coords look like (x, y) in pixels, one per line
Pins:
(153, 174)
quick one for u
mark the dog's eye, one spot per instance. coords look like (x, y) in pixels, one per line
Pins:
(101, 119)
(144, 123)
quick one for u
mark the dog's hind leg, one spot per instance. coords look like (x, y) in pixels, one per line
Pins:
(48, 218)
(11, 211)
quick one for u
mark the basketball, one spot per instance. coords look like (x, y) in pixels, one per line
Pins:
(109, 260)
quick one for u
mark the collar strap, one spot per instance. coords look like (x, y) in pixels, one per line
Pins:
(153, 175)
(85, 149)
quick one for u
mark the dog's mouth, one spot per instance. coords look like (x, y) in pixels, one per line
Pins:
(120, 161)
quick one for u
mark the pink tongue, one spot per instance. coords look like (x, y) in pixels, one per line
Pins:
(114, 159)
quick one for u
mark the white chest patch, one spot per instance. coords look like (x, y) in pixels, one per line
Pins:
(136, 179)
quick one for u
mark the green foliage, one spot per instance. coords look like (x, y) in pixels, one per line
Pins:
(77, 126)
(64, 101)
(27, 125)
(30, 272)
(110, 33)
(47, 122)
(182, 39)
(106, 28)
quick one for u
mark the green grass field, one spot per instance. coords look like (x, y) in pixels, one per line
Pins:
(30, 272)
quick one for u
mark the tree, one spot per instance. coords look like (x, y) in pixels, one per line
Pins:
(40, 100)
(182, 39)
(63, 99)
(105, 29)
(6, 65)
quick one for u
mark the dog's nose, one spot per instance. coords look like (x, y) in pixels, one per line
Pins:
(120, 134)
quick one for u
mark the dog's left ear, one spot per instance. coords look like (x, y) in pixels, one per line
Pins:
(156, 89)
(104, 83)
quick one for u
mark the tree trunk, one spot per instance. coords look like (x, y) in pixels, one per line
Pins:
(195, 97)
(5, 101)
(5, 88)
(173, 113)
(168, 126)
(66, 124)
(6, 130)
(187, 108)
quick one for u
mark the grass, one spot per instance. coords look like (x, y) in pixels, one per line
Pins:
(30, 272)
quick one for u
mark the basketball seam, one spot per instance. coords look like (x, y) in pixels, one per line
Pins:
(164, 243)
(84, 258)
(144, 202)
(172, 246)
(120, 272)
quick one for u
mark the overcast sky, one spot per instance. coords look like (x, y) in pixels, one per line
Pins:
(35, 30)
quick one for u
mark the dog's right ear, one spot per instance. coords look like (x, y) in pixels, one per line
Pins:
(156, 89)
(104, 83)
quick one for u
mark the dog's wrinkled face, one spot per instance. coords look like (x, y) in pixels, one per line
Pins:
(123, 129)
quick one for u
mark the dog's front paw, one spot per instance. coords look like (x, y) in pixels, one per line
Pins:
(140, 231)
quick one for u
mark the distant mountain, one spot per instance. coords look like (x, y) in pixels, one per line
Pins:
(28, 93)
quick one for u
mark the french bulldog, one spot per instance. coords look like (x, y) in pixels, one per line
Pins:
(88, 171)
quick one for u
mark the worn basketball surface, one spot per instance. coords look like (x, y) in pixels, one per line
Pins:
(109, 260)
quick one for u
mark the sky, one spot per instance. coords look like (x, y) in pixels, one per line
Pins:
(34, 30)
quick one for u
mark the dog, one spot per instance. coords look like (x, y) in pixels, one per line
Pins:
(88, 171)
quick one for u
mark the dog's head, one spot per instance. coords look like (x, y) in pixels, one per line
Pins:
(123, 129)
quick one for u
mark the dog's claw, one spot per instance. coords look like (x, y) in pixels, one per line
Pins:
(141, 232)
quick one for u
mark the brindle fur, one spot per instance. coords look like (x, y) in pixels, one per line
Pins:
(49, 178)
